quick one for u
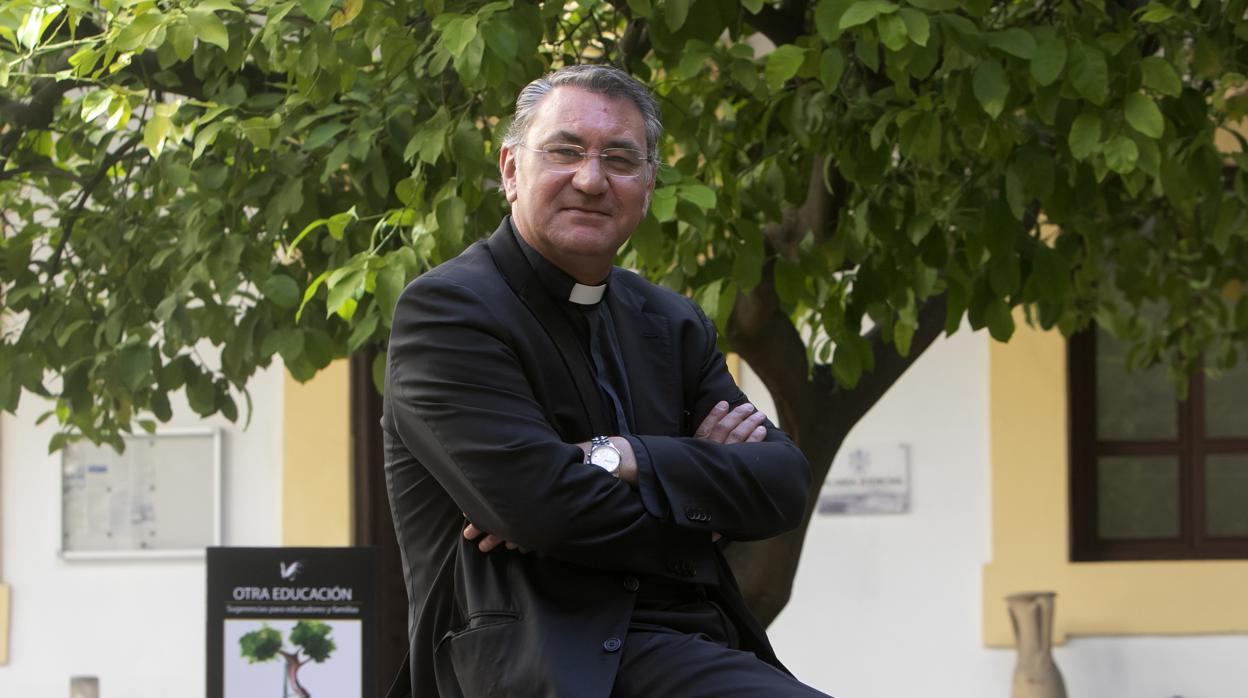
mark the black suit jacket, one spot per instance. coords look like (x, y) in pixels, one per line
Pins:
(487, 393)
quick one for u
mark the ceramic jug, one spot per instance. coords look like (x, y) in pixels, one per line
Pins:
(1035, 674)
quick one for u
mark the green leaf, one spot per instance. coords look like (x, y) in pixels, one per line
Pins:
(154, 133)
(31, 30)
(450, 213)
(1085, 135)
(991, 87)
(257, 131)
(218, 5)
(918, 28)
(663, 204)
(430, 140)
(640, 8)
(1143, 115)
(281, 289)
(389, 285)
(95, 104)
(1155, 13)
(135, 366)
(846, 365)
(752, 6)
(1014, 41)
(1121, 154)
(893, 32)
(1089, 73)
(1048, 60)
(676, 12)
(865, 11)
(322, 134)
(828, 15)
(999, 319)
(205, 137)
(133, 35)
(209, 28)
(316, 10)
(501, 38)
(458, 33)
(1161, 76)
(343, 289)
(783, 64)
(831, 67)
(699, 195)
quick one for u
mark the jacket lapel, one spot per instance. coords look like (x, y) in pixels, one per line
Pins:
(516, 271)
(645, 343)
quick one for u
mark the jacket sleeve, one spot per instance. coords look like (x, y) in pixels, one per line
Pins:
(745, 491)
(461, 403)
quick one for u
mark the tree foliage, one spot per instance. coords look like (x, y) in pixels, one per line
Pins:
(263, 177)
(260, 645)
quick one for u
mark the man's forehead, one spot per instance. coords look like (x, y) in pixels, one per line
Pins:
(575, 114)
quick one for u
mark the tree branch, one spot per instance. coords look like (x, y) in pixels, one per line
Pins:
(851, 405)
(762, 333)
(67, 227)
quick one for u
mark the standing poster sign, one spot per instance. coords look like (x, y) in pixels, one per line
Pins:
(291, 623)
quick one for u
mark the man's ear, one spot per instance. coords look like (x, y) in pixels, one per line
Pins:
(507, 168)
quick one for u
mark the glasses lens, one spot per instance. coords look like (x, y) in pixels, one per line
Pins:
(622, 162)
(563, 155)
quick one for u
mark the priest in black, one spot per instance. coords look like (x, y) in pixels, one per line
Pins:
(565, 449)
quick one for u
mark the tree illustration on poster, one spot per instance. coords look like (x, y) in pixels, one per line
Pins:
(312, 643)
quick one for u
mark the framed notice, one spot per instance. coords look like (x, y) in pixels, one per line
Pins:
(870, 479)
(161, 497)
(291, 622)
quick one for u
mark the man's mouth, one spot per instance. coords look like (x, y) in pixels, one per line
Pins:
(589, 211)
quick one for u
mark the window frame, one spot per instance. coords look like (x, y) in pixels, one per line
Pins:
(1191, 446)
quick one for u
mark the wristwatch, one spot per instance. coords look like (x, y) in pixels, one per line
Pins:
(604, 454)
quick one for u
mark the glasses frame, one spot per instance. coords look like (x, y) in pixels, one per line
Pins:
(585, 154)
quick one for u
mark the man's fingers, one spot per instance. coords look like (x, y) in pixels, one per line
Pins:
(712, 418)
(747, 427)
(472, 532)
(721, 431)
(488, 543)
(759, 434)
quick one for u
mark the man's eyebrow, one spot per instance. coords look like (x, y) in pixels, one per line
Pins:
(572, 138)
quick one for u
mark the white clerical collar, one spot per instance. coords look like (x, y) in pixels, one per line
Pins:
(586, 295)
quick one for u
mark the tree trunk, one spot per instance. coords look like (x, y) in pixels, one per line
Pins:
(815, 412)
(292, 674)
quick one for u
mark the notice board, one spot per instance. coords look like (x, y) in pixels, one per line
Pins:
(160, 497)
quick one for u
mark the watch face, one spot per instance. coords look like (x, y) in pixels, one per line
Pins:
(605, 457)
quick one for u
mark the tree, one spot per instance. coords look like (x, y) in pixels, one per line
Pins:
(844, 180)
(310, 639)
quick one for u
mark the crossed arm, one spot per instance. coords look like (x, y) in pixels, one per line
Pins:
(742, 424)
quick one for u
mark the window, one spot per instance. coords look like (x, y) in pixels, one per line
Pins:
(1152, 477)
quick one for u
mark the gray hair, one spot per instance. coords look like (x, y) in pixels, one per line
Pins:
(599, 79)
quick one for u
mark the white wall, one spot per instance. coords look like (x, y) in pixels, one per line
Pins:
(889, 606)
(137, 625)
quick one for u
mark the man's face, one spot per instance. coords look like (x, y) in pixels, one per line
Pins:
(577, 220)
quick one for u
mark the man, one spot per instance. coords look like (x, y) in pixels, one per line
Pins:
(564, 444)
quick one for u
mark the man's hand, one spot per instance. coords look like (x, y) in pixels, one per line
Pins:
(490, 541)
(741, 425)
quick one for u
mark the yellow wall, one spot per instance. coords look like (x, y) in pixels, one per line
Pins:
(316, 459)
(1030, 522)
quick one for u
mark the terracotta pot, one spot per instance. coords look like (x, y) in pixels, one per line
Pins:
(1035, 674)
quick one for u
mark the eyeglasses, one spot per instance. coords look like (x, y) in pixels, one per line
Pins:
(624, 163)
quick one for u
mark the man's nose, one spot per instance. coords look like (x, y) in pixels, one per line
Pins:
(590, 177)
